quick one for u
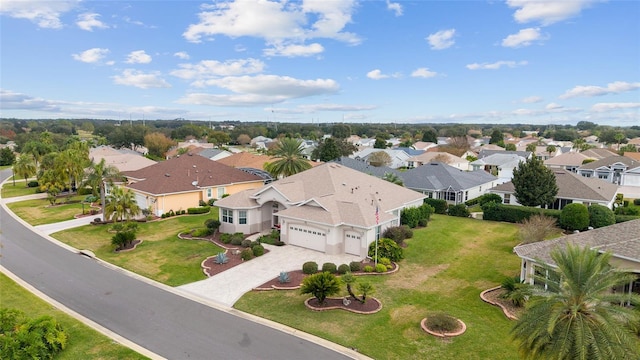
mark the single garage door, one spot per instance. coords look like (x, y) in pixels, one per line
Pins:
(307, 237)
(352, 242)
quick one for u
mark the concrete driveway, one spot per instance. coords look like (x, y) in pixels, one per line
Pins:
(227, 287)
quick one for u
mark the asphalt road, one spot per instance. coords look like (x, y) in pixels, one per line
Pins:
(167, 324)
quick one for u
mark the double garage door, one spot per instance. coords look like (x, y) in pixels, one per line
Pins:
(307, 237)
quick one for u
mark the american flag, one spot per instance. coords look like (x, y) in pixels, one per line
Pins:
(377, 216)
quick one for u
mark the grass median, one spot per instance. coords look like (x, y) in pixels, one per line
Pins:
(446, 266)
(9, 189)
(40, 211)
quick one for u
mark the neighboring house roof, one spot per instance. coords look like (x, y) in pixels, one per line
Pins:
(634, 141)
(212, 153)
(364, 167)
(573, 186)
(251, 160)
(608, 161)
(484, 152)
(175, 151)
(488, 147)
(179, 174)
(398, 157)
(430, 156)
(410, 151)
(510, 160)
(598, 153)
(632, 155)
(567, 159)
(423, 145)
(123, 161)
(622, 240)
(332, 194)
(440, 176)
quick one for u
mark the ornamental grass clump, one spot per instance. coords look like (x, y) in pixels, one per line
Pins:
(442, 323)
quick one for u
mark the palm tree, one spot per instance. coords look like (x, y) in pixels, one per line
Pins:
(98, 174)
(121, 205)
(24, 168)
(531, 147)
(551, 149)
(289, 159)
(581, 318)
(393, 178)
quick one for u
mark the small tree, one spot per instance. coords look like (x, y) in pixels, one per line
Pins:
(320, 285)
(574, 217)
(537, 228)
(510, 147)
(534, 183)
(379, 158)
(600, 216)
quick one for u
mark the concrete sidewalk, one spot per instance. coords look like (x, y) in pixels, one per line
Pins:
(49, 229)
(227, 287)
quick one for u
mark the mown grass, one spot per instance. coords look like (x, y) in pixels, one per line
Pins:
(162, 256)
(83, 342)
(40, 211)
(19, 189)
(446, 266)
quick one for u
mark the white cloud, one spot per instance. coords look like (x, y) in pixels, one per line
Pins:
(442, 39)
(294, 50)
(423, 73)
(139, 79)
(496, 65)
(14, 100)
(395, 7)
(89, 21)
(532, 99)
(336, 107)
(273, 85)
(376, 75)
(553, 106)
(547, 12)
(138, 57)
(46, 14)
(207, 69)
(524, 37)
(278, 22)
(591, 90)
(182, 55)
(605, 107)
(92, 55)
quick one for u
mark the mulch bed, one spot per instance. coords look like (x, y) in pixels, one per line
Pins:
(372, 305)
(131, 246)
(494, 297)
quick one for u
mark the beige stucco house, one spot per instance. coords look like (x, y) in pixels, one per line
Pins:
(329, 208)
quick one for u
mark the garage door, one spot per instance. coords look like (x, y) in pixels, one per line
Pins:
(141, 200)
(307, 237)
(352, 243)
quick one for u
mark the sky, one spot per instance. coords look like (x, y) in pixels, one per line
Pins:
(323, 61)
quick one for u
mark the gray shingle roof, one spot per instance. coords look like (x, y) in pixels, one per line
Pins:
(440, 176)
(364, 167)
(484, 153)
(608, 161)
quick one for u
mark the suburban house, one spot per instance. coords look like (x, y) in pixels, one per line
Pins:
(123, 160)
(431, 156)
(598, 153)
(499, 164)
(365, 167)
(181, 182)
(251, 160)
(261, 142)
(613, 169)
(399, 157)
(441, 181)
(214, 154)
(423, 145)
(621, 240)
(569, 161)
(572, 188)
(329, 208)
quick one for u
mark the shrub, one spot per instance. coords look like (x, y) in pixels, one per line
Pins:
(368, 268)
(25, 338)
(398, 233)
(237, 238)
(516, 291)
(246, 243)
(636, 202)
(201, 232)
(329, 267)
(439, 206)
(258, 250)
(320, 285)
(459, 210)
(202, 203)
(600, 216)
(386, 248)
(442, 323)
(212, 224)
(355, 266)
(310, 267)
(415, 216)
(623, 218)
(246, 254)
(123, 238)
(380, 268)
(284, 277)
(221, 258)
(574, 217)
(537, 228)
(513, 213)
(211, 202)
(343, 269)
(225, 238)
(32, 184)
(386, 262)
(279, 243)
(633, 211)
(486, 198)
(198, 210)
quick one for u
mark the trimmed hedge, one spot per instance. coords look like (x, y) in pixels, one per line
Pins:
(198, 210)
(438, 205)
(310, 267)
(574, 217)
(623, 218)
(459, 210)
(513, 213)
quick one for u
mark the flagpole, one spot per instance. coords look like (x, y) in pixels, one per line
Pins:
(377, 232)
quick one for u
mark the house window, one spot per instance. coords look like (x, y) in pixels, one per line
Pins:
(220, 192)
(451, 195)
(209, 193)
(507, 198)
(242, 217)
(227, 216)
(466, 195)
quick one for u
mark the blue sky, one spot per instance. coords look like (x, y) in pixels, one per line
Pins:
(514, 61)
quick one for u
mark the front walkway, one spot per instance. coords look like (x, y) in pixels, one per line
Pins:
(227, 287)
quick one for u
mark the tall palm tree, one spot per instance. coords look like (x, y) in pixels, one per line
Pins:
(99, 174)
(289, 159)
(121, 205)
(24, 168)
(581, 318)
(551, 149)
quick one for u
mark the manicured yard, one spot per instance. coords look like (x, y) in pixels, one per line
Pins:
(162, 256)
(19, 189)
(40, 211)
(83, 342)
(446, 266)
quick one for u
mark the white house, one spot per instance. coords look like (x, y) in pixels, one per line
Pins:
(499, 164)
(612, 169)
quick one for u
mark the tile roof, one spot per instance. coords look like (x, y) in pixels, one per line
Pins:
(178, 175)
(573, 186)
(440, 176)
(332, 194)
(621, 240)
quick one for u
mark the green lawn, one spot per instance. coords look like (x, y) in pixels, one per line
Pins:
(19, 189)
(83, 342)
(162, 256)
(40, 211)
(446, 266)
